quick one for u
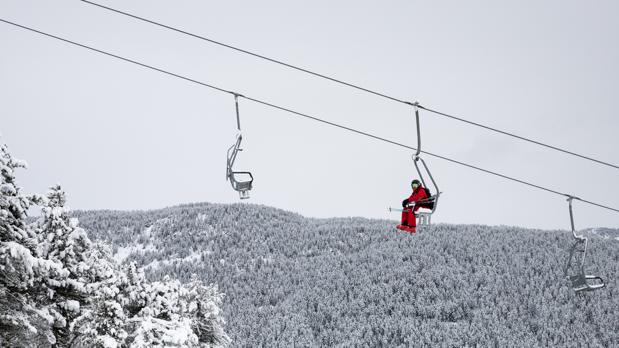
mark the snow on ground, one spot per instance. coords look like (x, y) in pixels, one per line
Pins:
(147, 231)
(109, 342)
(123, 252)
(195, 256)
(202, 217)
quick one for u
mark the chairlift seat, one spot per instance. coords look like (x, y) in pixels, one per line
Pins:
(428, 205)
(423, 211)
(241, 185)
(244, 185)
(580, 282)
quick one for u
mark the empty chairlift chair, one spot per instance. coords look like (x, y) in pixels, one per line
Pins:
(240, 181)
(579, 280)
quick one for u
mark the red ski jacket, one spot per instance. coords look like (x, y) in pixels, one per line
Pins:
(417, 195)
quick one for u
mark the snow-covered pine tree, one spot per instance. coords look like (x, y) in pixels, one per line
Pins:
(62, 241)
(59, 289)
(203, 304)
(24, 276)
(180, 315)
(102, 320)
(159, 322)
(135, 296)
(122, 308)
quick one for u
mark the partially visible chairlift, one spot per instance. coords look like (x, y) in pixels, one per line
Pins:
(580, 281)
(241, 181)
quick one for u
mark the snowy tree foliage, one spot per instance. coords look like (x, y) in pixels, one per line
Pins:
(178, 314)
(294, 281)
(25, 277)
(57, 288)
(61, 240)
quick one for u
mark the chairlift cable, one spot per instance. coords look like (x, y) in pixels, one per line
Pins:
(304, 115)
(272, 60)
(119, 57)
(518, 137)
(348, 84)
(412, 148)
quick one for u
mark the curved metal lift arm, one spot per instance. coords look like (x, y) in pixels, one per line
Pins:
(416, 158)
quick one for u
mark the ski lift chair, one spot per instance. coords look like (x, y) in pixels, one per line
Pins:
(429, 204)
(240, 181)
(580, 281)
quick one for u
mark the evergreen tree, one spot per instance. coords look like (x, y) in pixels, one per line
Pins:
(24, 276)
(102, 321)
(203, 303)
(160, 321)
(62, 241)
(58, 289)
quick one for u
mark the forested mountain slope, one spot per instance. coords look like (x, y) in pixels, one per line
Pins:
(291, 280)
(59, 289)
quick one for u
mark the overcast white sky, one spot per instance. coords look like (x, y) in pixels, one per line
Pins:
(118, 136)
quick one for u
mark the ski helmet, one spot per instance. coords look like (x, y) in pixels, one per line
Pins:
(416, 182)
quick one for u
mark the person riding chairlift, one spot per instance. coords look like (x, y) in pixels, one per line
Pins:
(409, 220)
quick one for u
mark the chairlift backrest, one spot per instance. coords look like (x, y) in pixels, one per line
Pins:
(580, 283)
(231, 157)
(432, 200)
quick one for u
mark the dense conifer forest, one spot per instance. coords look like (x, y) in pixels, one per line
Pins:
(60, 289)
(294, 281)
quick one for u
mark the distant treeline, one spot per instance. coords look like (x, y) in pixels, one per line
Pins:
(294, 281)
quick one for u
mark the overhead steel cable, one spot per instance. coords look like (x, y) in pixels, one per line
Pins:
(272, 60)
(519, 137)
(116, 56)
(301, 114)
(383, 95)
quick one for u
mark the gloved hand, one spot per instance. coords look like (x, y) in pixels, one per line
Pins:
(404, 203)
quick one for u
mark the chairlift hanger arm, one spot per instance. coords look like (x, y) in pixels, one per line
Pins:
(238, 116)
(416, 108)
(427, 200)
(416, 156)
(235, 148)
(241, 186)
